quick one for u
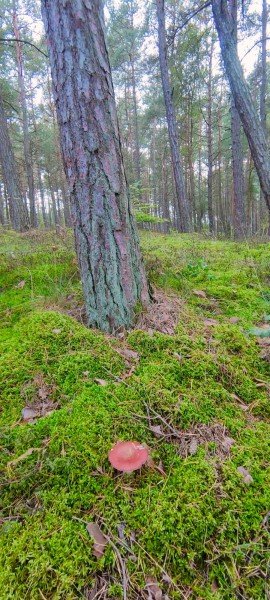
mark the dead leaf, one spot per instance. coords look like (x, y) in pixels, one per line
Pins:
(28, 452)
(28, 414)
(234, 320)
(178, 356)
(244, 407)
(155, 593)
(214, 587)
(156, 429)
(102, 382)
(56, 331)
(160, 468)
(245, 474)
(166, 578)
(227, 443)
(261, 383)
(100, 541)
(193, 447)
(210, 322)
(129, 354)
(21, 284)
(150, 462)
(199, 293)
(121, 531)
(43, 393)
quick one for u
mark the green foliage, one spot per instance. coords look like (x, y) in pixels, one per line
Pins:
(200, 521)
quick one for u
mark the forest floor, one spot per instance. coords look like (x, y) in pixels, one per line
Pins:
(191, 381)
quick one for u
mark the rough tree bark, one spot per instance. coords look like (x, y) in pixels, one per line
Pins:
(110, 262)
(238, 212)
(263, 86)
(2, 213)
(263, 65)
(182, 202)
(25, 120)
(17, 212)
(242, 97)
(210, 141)
(137, 153)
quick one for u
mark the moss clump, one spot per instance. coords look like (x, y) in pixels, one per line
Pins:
(195, 515)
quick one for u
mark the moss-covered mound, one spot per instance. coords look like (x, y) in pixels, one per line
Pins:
(196, 520)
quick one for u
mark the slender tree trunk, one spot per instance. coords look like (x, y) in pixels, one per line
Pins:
(17, 212)
(25, 120)
(182, 202)
(242, 97)
(210, 141)
(220, 219)
(42, 198)
(165, 212)
(200, 209)
(54, 206)
(106, 237)
(2, 214)
(37, 165)
(192, 201)
(136, 124)
(263, 86)
(238, 212)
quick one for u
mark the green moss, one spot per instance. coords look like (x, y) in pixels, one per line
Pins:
(199, 520)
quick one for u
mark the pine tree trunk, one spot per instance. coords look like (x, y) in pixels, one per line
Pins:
(17, 212)
(25, 120)
(200, 209)
(42, 198)
(54, 206)
(182, 202)
(66, 205)
(2, 214)
(238, 212)
(165, 212)
(263, 87)
(110, 262)
(136, 125)
(242, 97)
(210, 142)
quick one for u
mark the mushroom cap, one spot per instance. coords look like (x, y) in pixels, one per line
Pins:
(128, 456)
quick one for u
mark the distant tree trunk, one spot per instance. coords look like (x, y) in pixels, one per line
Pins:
(42, 198)
(182, 203)
(17, 212)
(106, 238)
(25, 120)
(242, 97)
(210, 141)
(238, 212)
(263, 86)
(54, 205)
(136, 124)
(220, 217)
(165, 211)
(2, 214)
(191, 171)
(200, 208)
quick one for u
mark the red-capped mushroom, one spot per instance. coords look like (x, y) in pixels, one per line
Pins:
(128, 456)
